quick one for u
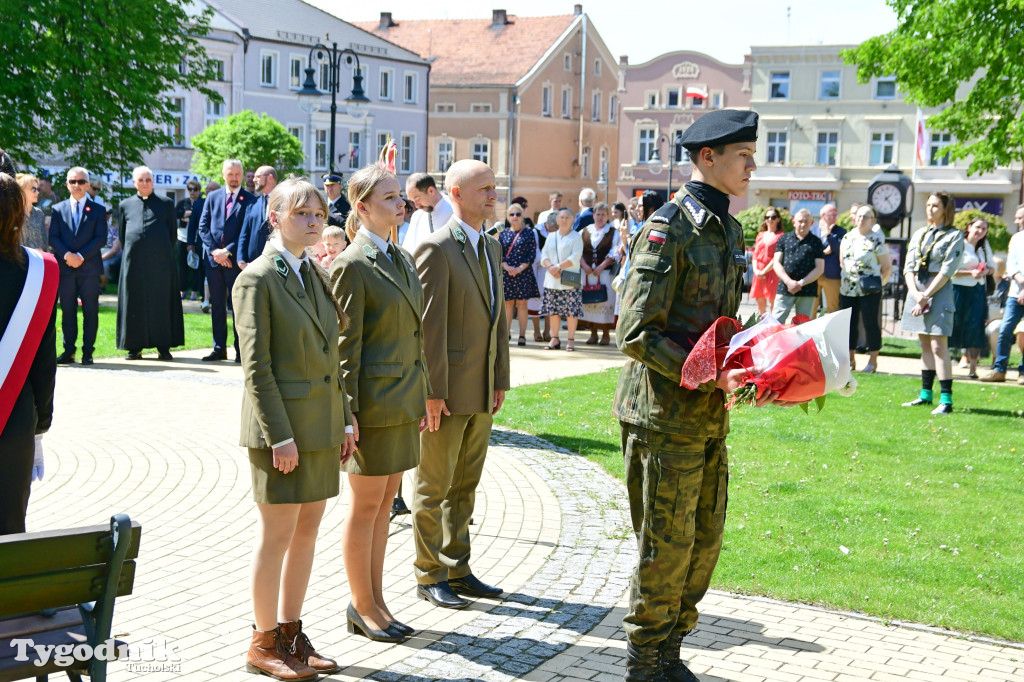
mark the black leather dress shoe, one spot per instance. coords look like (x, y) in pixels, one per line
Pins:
(399, 508)
(65, 358)
(164, 355)
(86, 359)
(473, 586)
(440, 594)
(133, 355)
(216, 355)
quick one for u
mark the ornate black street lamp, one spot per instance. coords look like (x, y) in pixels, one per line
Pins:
(356, 104)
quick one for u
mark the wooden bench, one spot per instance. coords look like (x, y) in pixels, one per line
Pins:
(73, 576)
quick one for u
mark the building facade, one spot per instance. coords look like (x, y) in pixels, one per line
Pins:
(536, 98)
(823, 136)
(660, 99)
(262, 48)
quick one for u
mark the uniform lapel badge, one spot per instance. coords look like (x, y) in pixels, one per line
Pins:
(697, 212)
(370, 252)
(281, 266)
(459, 234)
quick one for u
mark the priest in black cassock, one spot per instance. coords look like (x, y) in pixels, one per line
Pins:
(148, 299)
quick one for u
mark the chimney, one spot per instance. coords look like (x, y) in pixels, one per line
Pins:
(624, 60)
(500, 18)
(577, 9)
(386, 21)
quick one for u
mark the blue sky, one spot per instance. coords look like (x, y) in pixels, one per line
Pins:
(645, 29)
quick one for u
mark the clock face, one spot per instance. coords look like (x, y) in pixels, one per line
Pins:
(887, 199)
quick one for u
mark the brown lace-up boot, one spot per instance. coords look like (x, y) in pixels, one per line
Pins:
(295, 641)
(267, 656)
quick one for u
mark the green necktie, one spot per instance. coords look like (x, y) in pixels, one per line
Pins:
(482, 260)
(307, 282)
(399, 265)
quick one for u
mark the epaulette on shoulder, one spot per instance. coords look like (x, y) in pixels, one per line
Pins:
(665, 214)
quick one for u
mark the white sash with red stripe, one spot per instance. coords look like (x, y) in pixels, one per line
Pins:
(25, 330)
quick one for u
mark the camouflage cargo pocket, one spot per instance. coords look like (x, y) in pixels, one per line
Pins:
(674, 505)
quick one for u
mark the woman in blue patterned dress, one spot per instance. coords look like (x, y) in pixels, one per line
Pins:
(518, 249)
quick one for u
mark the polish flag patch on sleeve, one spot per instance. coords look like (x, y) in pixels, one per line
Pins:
(657, 237)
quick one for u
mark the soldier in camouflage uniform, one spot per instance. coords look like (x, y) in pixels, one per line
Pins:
(686, 270)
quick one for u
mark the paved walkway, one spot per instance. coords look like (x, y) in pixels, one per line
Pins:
(157, 440)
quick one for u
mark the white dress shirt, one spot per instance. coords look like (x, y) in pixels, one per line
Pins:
(419, 224)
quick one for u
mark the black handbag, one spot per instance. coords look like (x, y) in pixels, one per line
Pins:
(596, 293)
(871, 284)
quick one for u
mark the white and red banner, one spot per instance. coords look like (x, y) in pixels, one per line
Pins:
(25, 330)
(922, 146)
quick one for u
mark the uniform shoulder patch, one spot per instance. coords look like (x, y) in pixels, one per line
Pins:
(665, 214)
(280, 266)
(370, 252)
(697, 212)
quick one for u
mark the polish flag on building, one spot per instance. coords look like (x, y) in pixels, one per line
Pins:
(923, 144)
(696, 91)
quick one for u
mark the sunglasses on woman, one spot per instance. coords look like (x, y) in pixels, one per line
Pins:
(771, 217)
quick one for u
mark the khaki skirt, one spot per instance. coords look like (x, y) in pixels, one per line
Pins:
(317, 477)
(386, 450)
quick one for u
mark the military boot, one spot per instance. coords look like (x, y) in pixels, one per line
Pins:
(675, 670)
(643, 663)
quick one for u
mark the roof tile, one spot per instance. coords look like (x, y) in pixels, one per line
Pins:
(473, 51)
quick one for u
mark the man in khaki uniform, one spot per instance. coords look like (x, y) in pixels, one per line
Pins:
(466, 346)
(686, 267)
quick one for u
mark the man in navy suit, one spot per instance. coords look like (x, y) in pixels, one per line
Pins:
(78, 230)
(586, 215)
(256, 227)
(219, 227)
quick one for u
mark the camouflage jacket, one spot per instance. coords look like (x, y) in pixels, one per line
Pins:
(685, 271)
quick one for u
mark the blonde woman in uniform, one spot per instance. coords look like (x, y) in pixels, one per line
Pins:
(385, 376)
(295, 422)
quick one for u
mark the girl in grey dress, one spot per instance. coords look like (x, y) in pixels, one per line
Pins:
(933, 257)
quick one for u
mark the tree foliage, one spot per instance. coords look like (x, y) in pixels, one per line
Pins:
(998, 238)
(941, 45)
(254, 140)
(752, 217)
(90, 82)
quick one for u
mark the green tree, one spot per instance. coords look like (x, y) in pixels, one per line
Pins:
(940, 45)
(253, 140)
(77, 80)
(752, 217)
(998, 238)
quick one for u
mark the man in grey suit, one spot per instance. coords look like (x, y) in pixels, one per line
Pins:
(466, 346)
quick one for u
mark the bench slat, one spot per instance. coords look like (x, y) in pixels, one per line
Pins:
(25, 626)
(59, 588)
(47, 551)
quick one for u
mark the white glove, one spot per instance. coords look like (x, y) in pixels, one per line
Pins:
(37, 462)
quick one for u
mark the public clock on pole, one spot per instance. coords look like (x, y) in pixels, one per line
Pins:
(888, 193)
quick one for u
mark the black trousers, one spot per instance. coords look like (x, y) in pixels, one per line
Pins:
(221, 281)
(864, 313)
(73, 285)
(187, 277)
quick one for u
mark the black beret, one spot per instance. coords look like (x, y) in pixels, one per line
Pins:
(332, 178)
(723, 126)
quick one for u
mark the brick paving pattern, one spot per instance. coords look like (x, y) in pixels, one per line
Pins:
(158, 441)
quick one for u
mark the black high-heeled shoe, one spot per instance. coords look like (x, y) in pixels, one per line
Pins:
(357, 626)
(401, 627)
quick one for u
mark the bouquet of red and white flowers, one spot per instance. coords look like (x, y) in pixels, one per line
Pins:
(800, 362)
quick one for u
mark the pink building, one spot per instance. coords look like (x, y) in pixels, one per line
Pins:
(660, 99)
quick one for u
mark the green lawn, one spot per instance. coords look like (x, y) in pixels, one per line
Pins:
(197, 334)
(911, 348)
(927, 507)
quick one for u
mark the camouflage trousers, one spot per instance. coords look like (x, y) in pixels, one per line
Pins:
(678, 491)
